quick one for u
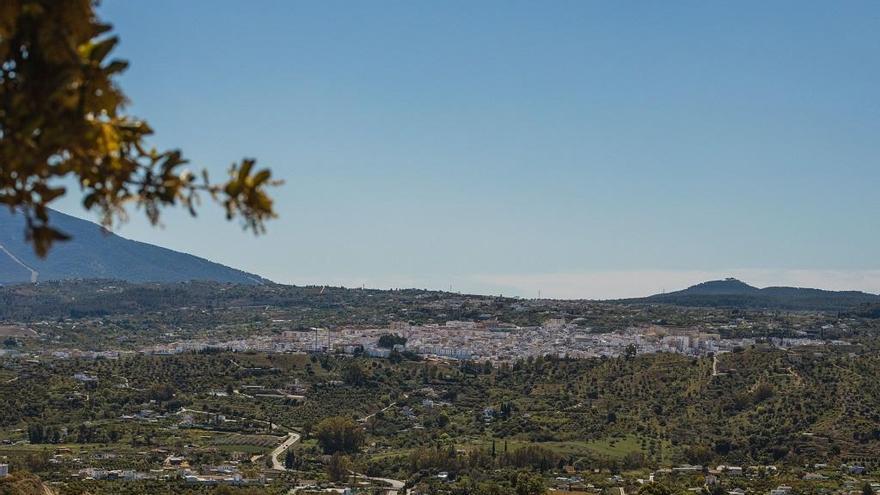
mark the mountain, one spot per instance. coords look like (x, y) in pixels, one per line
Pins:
(95, 253)
(732, 293)
(728, 286)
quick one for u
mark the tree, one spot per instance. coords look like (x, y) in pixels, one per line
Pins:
(532, 456)
(389, 340)
(762, 392)
(62, 116)
(339, 434)
(655, 489)
(634, 460)
(337, 467)
(354, 375)
(35, 434)
(161, 392)
(529, 484)
(395, 357)
(289, 460)
(698, 454)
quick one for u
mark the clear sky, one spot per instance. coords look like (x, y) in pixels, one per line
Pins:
(584, 149)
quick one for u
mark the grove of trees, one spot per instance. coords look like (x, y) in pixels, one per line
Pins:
(339, 434)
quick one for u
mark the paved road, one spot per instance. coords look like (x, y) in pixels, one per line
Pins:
(389, 406)
(368, 416)
(715, 371)
(396, 485)
(291, 439)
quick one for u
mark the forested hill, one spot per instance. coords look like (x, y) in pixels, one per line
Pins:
(94, 253)
(732, 293)
(88, 298)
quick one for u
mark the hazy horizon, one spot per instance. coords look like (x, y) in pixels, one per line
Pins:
(600, 285)
(593, 150)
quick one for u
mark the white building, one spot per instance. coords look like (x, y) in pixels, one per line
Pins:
(461, 324)
(554, 323)
(84, 377)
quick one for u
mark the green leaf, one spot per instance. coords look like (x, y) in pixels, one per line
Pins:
(116, 66)
(102, 48)
(262, 176)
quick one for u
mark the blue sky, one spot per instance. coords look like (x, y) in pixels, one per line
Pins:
(587, 149)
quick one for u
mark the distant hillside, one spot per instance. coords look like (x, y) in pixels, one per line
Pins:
(95, 253)
(732, 293)
(727, 286)
(867, 310)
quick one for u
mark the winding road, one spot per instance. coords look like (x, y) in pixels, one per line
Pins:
(396, 485)
(291, 439)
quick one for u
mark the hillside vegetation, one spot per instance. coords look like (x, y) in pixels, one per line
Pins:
(732, 293)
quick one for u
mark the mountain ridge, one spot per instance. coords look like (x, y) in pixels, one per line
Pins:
(733, 293)
(94, 252)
